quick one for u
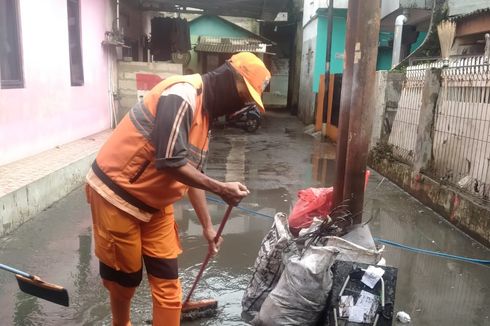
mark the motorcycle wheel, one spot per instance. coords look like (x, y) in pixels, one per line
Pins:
(252, 124)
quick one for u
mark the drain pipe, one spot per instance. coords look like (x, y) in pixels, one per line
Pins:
(117, 16)
(397, 40)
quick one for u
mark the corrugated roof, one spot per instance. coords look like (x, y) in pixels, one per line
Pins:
(470, 14)
(245, 31)
(229, 45)
(459, 7)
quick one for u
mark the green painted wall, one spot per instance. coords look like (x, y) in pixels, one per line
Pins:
(384, 59)
(338, 45)
(420, 39)
(210, 26)
(385, 53)
(213, 26)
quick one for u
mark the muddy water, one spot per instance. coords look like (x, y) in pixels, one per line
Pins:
(433, 290)
(275, 162)
(272, 164)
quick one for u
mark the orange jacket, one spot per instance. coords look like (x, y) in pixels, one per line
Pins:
(126, 162)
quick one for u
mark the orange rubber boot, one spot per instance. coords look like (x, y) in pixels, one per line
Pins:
(167, 301)
(165, 316)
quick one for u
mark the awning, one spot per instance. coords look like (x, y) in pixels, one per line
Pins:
(229, 45)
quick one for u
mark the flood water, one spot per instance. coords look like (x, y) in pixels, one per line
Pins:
(274, 163)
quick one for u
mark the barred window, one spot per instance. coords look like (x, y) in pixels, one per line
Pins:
(74, 40)
(10, 46)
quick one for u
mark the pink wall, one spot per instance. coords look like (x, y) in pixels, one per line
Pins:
(48, 111)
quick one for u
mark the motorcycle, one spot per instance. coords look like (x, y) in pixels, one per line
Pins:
(247, 118)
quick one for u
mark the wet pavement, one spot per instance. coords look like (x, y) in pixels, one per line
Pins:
(274, 163)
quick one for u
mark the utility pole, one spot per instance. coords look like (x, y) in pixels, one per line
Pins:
(345, 98)
(357, 103)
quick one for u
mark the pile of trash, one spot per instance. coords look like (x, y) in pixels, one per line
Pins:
(292, 275)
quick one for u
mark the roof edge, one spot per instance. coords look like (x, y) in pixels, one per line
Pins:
(262, 38)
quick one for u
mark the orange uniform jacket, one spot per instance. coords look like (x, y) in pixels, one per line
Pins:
(126, 163)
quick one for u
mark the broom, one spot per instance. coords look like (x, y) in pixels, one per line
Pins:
(34, 285)
(192, 310)
(446, 30)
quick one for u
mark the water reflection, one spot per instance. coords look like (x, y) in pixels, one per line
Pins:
(90, 300)
(275, 165)
(228, 273)
(323, 163)
(84, 258)
(430, 289)
(235, 160)
(27, 310)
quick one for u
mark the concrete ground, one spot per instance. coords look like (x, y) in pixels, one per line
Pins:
(275, 162)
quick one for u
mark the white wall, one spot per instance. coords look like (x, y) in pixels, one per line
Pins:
(306, 102)
(311, 6)
(127, 80)
(388, 6)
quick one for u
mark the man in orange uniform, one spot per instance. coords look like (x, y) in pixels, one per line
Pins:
(154, 156)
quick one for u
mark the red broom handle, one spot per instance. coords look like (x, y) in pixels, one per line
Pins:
(208, 256)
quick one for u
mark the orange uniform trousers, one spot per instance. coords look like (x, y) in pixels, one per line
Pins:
(122, 244)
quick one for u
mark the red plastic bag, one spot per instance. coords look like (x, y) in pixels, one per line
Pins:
(312, 202)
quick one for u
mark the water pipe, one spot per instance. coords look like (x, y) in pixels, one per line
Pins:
(397, 39)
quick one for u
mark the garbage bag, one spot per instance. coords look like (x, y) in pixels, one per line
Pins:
(349, 251)
(312, 202)
(301, 294)
(268, 266)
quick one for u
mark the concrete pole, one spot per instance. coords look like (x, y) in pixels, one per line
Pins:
(487, 48)
(362, 105)
(345, 99)
(430, 94)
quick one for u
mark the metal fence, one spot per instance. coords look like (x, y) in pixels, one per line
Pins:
(461, 134)
(403, 134)
(461, 131)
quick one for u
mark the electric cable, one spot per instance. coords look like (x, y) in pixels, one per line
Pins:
(219, 201)
(384, 241)
(432, 253)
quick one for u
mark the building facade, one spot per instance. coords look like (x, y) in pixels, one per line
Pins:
(54, 74)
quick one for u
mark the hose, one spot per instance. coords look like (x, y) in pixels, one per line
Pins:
(380, 240)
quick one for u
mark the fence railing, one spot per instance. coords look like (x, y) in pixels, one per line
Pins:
(461, 130)
(461, 134)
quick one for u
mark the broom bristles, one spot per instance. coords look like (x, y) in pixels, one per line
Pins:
(446, 31)
(43, 290)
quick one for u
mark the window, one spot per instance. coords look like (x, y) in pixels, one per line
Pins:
(74, 40)
(10, 53)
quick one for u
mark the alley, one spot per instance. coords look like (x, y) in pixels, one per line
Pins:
(274, 163)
